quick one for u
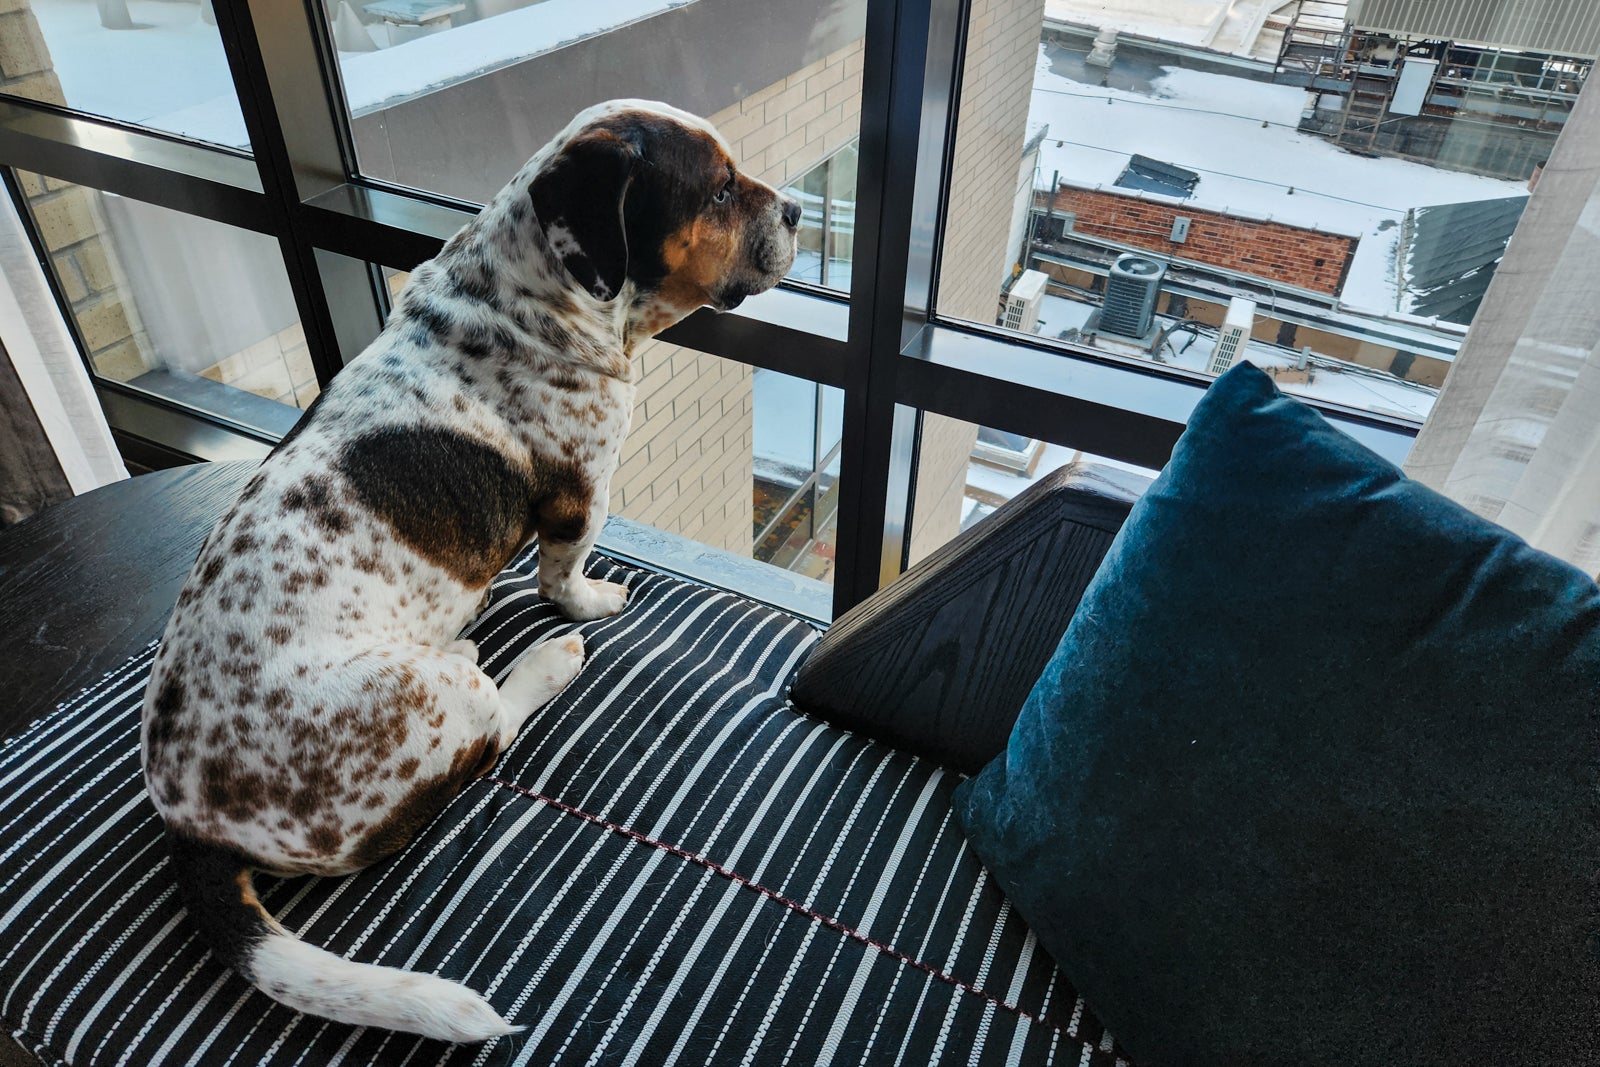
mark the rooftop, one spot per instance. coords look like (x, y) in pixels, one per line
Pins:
(1240, 136)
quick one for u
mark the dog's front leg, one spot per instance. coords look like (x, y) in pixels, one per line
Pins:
(562, 558)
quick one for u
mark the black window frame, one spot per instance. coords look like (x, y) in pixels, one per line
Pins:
(885, 345)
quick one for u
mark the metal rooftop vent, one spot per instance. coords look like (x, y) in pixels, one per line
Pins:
(1154, 176)
(1132, 289)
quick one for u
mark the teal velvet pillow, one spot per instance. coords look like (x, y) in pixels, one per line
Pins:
(1311, 778)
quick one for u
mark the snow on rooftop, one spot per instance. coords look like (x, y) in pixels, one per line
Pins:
(1241, 136)
(170, 74)
(114, 72)
(389, 75)
(1181, 21)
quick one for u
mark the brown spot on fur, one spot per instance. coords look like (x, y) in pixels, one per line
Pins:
(325, 838)
(425, 799)
(456, 501)
(228, 789)
(278, 634)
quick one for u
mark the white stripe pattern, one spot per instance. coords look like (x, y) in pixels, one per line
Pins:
(606, 947)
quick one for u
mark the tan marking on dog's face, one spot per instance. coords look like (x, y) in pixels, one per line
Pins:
(700, 258)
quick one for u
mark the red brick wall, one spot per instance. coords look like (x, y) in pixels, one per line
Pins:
(1310, 259)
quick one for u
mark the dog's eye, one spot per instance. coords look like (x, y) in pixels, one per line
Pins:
(723, 195)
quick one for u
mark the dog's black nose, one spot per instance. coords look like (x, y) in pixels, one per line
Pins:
(791, 213)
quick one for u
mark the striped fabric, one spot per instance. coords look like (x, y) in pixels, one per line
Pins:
(671, 865)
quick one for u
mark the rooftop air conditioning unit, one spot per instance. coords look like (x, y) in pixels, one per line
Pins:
(1132, 289)
(1233, 335)
(1024, 301)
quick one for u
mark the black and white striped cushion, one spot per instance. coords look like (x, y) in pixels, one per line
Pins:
(671, 865)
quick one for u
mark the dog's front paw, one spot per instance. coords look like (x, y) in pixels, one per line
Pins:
(590, 599)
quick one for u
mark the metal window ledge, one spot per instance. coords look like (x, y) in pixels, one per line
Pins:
(1112, 408)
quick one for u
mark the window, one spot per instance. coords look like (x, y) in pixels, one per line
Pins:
(437, 94)
(827, 196)
(798, 428)
(1348, 191)
(147, 62)
(194, 311)
(837, 427)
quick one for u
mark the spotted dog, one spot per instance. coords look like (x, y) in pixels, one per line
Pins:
(311, 705)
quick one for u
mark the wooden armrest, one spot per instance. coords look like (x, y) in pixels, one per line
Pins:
(940, 662)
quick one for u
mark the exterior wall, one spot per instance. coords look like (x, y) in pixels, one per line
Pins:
(687, 464)
(991, 132)
(1310, 259)
(706, 57)
(1557, 26)
(25, 66)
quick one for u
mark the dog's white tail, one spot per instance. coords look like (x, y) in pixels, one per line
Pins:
(215, 885)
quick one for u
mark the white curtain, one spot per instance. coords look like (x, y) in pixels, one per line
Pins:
(53, 376)
(1515, 435)
(203, 290)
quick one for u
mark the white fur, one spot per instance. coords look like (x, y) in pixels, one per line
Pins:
(312, 624)
(316, 982)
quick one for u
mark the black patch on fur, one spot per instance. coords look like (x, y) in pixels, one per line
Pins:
(582, 191)
(164, 712)
(472, 283)
(433, 325)
(477, 343)
(454, 500)
(314, 496)
(213, 884)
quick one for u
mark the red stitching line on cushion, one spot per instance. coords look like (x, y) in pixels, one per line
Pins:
(792, 905)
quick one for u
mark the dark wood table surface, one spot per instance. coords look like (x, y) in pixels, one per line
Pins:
(87, 583)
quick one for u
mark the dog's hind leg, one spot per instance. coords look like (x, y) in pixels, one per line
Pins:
(537, 677)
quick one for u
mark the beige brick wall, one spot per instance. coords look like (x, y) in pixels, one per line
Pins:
(686, 466)
(991, 128)
(782, 131)
(73, 231)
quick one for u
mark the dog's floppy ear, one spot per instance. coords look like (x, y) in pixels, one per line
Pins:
(578, 197)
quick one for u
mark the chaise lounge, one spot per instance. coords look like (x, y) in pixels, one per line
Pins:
(734, 839)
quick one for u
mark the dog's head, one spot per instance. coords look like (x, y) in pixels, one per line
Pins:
(641, 192)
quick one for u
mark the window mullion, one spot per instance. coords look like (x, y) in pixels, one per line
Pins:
(296, 130)
(906, 92)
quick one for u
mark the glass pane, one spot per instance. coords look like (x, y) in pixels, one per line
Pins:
(155, 63)
(965, 472)
(454, 98)
(1325, 200)
(796, 434)
(725, 454)
(827, 196)
(192, 310)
